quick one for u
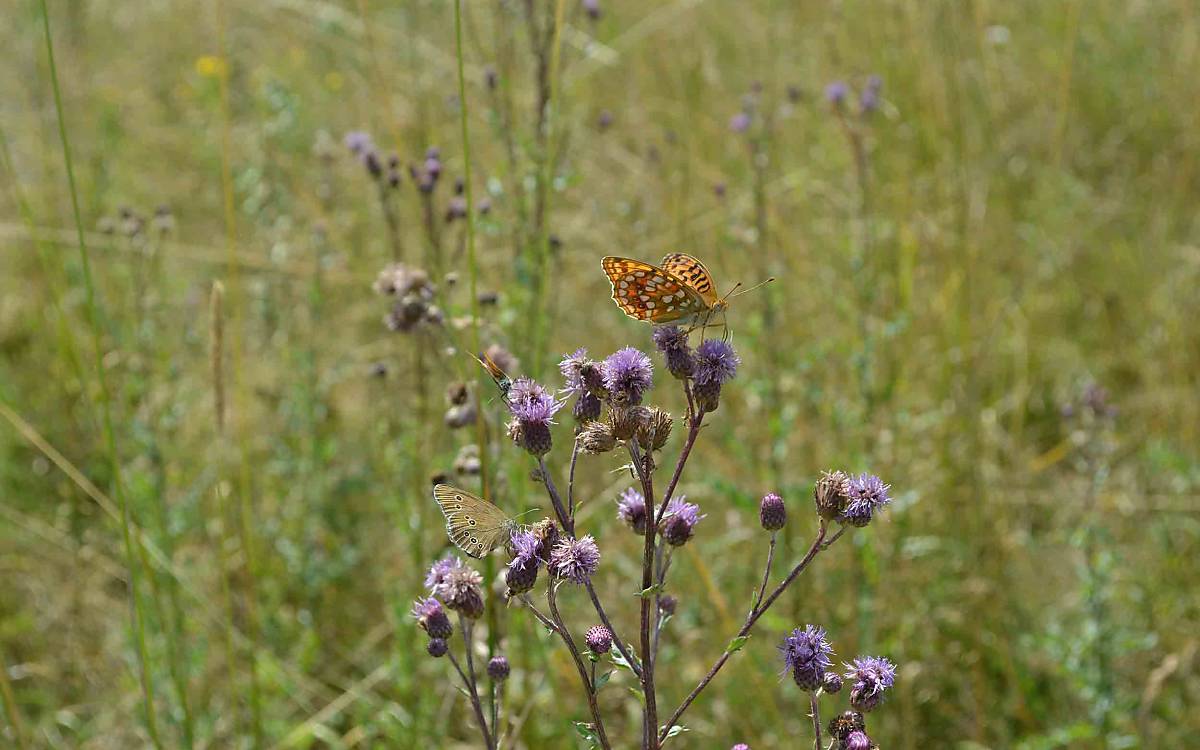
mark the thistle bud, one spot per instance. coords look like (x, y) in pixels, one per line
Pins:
(498, 669)
(771, 512)
(598, 639)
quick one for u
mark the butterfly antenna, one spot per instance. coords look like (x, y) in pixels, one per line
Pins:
(750, 289)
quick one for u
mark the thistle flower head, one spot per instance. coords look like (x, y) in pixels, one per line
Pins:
(571, 367)
(845, 723)
(679, 521)
(575, 559)
(772, 513)
(461, 591)
(858, 740)
(597, 437)
(740, 122)
(740, 746)
(599, 639)
(358, 141)
(627, 374)
(716, 362)
(866, 494)
(868, 101)
(872, 676)
(806, 653)
(437, 647)
(631, 508)
(432, 618)
(439, 571)
(672, 342)
(831, 494)
(529, 402)
(667, 604)
(833, 683)
(836, 92)
(498, 669)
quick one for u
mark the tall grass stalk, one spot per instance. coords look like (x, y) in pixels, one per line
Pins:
(12, 711)
(481, 379)
(548, 83)
(245, 538)
(110, 440)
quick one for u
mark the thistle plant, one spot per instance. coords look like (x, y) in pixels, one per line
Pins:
(611, 402)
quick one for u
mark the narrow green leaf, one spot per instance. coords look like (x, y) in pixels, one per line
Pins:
(736, 644)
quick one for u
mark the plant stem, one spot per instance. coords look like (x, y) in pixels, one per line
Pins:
(766, 572)
(139, 626)
(11, 711)
(751, 619)
(588, 686)
(650, 715)
(568, 523)
(469, 678)
(816, 719)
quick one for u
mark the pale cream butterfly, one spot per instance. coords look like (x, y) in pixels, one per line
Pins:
(473, 524)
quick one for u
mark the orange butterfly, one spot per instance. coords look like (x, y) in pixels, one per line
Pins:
(680, 288)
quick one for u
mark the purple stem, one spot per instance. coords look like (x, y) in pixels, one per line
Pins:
(752, 618)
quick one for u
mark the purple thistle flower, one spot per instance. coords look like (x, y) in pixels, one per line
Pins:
(461, 591)
(672, 342)
(439, 571)
(716, 362)
(631, 508)
(575, 559)
(806, 653)
(836, 92)
(599, 639)
(358, 141)
(772, 513)
(432, 618)
(592, 8)
(533, 407)
(498, 669)
(522, 570)
(667, 604)
(437, 647)
(872, 676)
(740, 746)
(627, 374)
(866, 495)
(740, 122)
(833, 683)
(679, 521)
(869, 99)
(571, 367)
(858, 740)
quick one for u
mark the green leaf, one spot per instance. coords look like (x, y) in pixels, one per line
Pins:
(650, 591)
(677, 729)
(586, 732)
(736, 644)
(619, 659)
(603, 679)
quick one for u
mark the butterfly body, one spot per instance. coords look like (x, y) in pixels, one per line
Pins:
(473, 524)
(501, 378)
(678, 289)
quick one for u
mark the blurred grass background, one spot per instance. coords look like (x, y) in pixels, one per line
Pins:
(1022, 224)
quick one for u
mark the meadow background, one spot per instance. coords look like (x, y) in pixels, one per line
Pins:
(959, 273)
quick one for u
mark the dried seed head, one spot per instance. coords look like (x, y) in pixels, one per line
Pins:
(831, 494)
(655, 430)
(625, 422)
(596, 437)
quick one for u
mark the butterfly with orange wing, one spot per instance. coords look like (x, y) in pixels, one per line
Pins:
(680, 288)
